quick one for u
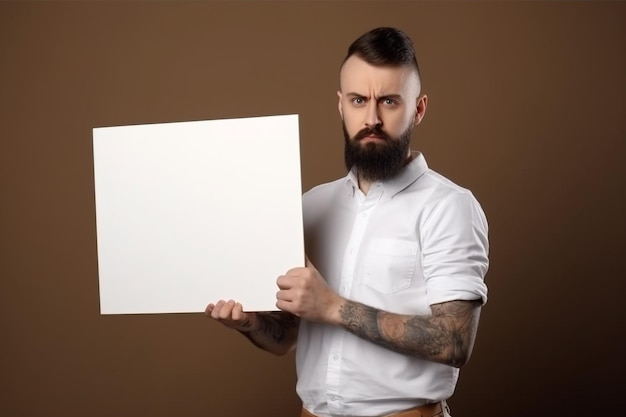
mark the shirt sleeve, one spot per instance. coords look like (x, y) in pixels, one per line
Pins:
(455, 250)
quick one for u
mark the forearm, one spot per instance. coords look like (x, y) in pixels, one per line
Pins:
(275, 332)
(447, 336)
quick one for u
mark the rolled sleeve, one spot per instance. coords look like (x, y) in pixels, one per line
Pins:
(455, 250)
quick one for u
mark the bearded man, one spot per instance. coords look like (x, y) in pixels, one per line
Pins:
(386, 310)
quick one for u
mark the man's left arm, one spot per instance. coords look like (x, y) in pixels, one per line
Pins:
(455, 260)
(447, 336)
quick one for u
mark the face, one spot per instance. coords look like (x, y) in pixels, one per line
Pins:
(379, 107)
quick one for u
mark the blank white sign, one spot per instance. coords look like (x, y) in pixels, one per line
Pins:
(188, 213)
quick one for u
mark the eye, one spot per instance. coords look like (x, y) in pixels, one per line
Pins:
(390, 102)
(358, 101)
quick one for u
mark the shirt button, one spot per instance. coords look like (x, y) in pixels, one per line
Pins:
(335, 357)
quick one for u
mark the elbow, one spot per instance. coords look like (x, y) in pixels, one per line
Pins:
(460, 350)
(458, 362)
(459, 358)
(455, 359)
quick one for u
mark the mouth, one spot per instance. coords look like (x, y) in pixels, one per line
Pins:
(372, 138)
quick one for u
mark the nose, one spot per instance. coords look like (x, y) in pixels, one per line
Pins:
(372, 118)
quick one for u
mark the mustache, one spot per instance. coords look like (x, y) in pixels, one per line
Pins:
(374, 131)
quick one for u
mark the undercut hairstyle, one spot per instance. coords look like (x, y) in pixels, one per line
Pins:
(384, 46)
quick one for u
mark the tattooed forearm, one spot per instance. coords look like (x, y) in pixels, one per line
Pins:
(447, 336)
(276, 325)
(275, 332)
(362, 321)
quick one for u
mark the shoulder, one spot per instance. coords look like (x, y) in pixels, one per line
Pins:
(445, 196)
(441, 187)
(325, 191)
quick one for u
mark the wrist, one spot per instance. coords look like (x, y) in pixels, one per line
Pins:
(249, 324)
(334, 316)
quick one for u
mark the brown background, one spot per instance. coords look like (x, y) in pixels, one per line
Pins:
(527, 108)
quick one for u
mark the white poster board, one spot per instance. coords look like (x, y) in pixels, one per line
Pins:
(188, 213)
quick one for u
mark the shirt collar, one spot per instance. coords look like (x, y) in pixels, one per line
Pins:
(407, 176)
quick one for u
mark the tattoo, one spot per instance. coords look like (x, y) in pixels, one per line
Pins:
(361, 320)
(276, 325)
(276, 332)
(447, 336)
(246, 325)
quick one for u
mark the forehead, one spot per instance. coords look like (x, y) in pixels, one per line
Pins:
(357, 76)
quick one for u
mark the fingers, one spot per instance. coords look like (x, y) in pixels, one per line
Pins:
(286, 306)
(230, 314)
(293, 277)
(237, 312)
(283, 282)
(285, 295)
(209, 309)
(221, 310)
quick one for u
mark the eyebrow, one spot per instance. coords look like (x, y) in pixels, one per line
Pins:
(393, 96)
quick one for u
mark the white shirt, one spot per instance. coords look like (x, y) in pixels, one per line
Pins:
(412, 241)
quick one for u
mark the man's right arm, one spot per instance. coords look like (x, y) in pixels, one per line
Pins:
(275, 332)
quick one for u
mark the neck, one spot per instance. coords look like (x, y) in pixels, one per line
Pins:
(364, 185)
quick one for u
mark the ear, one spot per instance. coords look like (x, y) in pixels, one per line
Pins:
(420, 109)
(339, 106)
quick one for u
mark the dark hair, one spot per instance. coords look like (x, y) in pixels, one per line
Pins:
(384, 46)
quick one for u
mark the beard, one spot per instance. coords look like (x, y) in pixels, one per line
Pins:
(376, 161)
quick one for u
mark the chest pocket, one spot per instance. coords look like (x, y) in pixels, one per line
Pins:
(389, 264)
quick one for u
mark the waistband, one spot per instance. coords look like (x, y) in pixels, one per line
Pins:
(428, 410)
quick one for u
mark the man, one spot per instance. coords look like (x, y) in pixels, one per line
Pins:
(386, 310)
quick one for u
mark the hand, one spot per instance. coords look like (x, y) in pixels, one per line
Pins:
(304, 293)
(231, 315)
